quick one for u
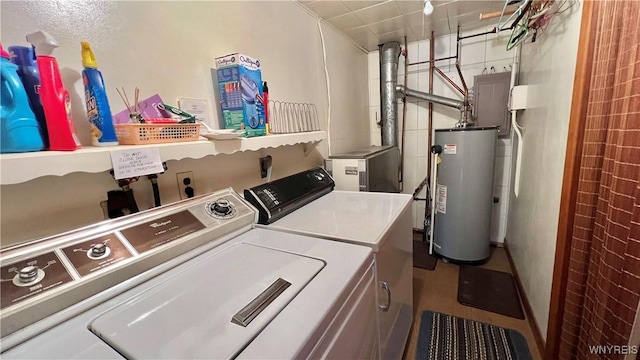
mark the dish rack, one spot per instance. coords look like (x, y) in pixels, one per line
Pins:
(289, 117)
(138, 134)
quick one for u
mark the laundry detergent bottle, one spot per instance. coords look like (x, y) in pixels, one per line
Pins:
(55, 97)
(98, 112)
(19, 130)
(25, 58)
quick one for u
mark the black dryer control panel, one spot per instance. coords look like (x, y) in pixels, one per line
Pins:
(280, 197)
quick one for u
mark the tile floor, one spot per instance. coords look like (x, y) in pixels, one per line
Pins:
(437, 291)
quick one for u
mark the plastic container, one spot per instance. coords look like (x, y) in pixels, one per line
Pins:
(19, 130)
(25, 58)
(139, 134)
(55, 97)
(98, 112)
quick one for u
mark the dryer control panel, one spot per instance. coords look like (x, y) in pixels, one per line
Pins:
(45, 276)
(280, 197)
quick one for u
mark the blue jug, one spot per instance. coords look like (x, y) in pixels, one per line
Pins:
(19, 130)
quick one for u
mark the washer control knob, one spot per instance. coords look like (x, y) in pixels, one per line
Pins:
(319, 176)
(222, 207)
(28, 274)
(98, 250)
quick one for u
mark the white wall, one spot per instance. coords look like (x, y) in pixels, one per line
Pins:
(549, 66)
(349, 94)
(168, 48)
(476, 55)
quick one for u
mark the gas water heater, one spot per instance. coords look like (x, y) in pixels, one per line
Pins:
(464, 193)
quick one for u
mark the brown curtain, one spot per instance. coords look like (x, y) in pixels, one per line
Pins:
(603, 286)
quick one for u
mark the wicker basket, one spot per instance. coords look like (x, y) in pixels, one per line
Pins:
(137, 134)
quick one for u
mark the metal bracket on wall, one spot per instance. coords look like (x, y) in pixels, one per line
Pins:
(308, 147)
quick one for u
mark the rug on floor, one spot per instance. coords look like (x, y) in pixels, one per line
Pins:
(489, 290)
(421, 257)
(448, 337)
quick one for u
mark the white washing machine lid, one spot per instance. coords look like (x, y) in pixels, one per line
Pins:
(157, 324)
(357, 217)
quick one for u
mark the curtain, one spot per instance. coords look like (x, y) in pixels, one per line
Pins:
(603, 287)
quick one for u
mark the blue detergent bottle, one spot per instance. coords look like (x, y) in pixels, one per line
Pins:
(25, 58)
(103, 132)
(19, 129)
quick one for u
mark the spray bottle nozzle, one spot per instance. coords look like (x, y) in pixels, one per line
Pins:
(42, 42)
(88, 59)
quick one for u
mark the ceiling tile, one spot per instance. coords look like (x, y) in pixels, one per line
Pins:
(439, 27)
(378, 12)
(346, 21)
(462, 7)
(468, 21)
(370, 23)
(355, 5)
(358, 33)
(409, 6)
(395, 36)
(364, 37)
(393, 24)
(328, 9)
(415, 19)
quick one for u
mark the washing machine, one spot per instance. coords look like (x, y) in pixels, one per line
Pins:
(193, 279)
(306, 203)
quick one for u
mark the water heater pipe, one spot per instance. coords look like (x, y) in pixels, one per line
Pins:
(434, 184)
(514, 122)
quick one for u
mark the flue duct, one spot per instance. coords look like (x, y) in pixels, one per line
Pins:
(389, 57)
(436, 99)
(389, 89)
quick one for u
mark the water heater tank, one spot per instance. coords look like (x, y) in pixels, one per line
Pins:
(464, 193)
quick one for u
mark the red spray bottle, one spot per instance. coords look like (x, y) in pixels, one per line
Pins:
(54, 96)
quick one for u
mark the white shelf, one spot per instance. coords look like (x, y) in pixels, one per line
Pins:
(17, 168)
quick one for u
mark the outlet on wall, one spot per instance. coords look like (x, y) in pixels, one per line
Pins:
(186, 184)
(265, 167)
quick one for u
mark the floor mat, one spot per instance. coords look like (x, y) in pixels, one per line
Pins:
(448, 337)
(421, 257)
(489, 290)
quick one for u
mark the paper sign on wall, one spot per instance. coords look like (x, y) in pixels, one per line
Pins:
(136, 162)
(441, 199)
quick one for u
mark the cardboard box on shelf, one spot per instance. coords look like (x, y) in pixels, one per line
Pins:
(239, 82)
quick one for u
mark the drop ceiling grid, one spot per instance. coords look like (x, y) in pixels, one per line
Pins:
(370, 23)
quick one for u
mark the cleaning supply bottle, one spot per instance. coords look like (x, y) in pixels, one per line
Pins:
(25, 58)
(102, 131)
(55, 97)
(19, 130)
(265, 98)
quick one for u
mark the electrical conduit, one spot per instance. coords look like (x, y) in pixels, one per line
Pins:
(326, 74)
(514, 122)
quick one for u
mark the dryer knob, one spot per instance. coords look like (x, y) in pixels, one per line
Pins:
(28, 274)
(98, 250)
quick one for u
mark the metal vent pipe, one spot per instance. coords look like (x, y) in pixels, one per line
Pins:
(431, 97)
(389, 57)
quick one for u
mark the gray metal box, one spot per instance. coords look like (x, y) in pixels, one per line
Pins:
(374, 168)
(491, 98)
